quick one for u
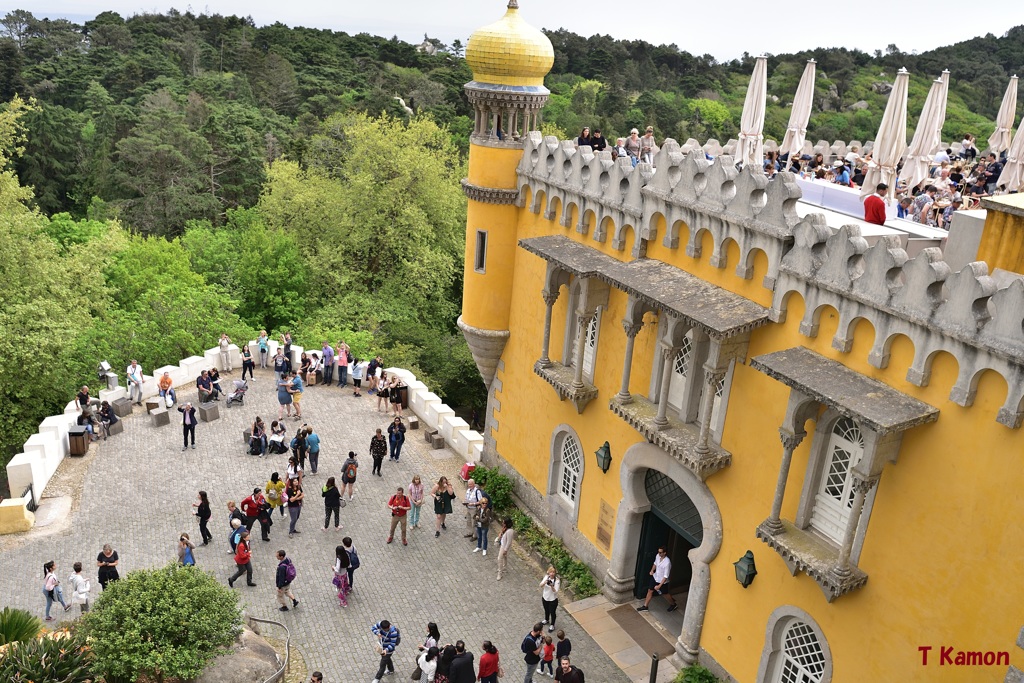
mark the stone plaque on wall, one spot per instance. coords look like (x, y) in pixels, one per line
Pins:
(605, 523)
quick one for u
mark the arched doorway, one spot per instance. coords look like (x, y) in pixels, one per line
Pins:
(673, 522)
(621, 578)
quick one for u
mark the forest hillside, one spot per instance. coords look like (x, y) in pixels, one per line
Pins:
(165, 178)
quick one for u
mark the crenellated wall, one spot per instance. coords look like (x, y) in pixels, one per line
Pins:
(960, 313)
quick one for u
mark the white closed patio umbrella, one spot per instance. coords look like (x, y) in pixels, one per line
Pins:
(1012, 177)
(927, 136)
(891, 141)
(796, 131)
(1000, 138)
(750, 146)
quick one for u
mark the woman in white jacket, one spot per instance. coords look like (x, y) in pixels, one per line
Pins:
(428, 663)
(80, 588)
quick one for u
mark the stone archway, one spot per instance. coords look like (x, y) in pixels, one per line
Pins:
(619, 579)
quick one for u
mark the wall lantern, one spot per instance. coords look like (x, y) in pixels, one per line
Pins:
(604, 457)
(745, 569)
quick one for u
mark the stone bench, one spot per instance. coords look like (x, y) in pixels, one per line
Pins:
(160, 416)
(208, 412)
(154, 402)
(414, 422)
(115, 428)
(122, 407)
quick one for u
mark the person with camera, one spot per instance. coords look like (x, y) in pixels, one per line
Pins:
(186, 551)
(399, 505)
(550, 585)
(388, 638)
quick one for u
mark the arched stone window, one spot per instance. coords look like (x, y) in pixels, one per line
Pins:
(565, 477)
(795, 649)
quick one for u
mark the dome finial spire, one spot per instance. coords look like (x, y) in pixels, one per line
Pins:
(513, 4)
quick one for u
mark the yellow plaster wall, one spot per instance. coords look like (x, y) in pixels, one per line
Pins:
(493, 167)
(1002, 241)
(958, 479)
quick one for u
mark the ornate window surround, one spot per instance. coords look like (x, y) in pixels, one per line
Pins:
(778, 623)
(558, 437)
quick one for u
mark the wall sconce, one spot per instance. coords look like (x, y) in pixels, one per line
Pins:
(604, 457)
(745, 569)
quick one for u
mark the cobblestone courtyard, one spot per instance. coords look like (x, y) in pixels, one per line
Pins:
(136, 494)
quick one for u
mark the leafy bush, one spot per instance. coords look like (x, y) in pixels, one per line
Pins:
(17, 625)
(575, 574)
(497, 485)
(164, 623)
(61, 657)
(695, 674)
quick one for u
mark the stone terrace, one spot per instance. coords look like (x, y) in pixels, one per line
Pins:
(135, 491)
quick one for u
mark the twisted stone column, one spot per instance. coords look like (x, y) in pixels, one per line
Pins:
(789, 444)
(631, 329)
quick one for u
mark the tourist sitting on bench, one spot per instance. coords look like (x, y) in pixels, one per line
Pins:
(207, 392)
(107, 417)
(166, 388)
(215, 380)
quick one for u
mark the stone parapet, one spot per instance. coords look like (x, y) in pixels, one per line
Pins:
(964, 313)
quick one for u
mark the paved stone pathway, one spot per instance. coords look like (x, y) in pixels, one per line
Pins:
(136, 494)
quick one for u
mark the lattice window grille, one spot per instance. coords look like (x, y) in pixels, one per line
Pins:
(803, 660)
(572, 468)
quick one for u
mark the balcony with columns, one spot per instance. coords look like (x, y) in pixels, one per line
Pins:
(683, 303)
(824, 390)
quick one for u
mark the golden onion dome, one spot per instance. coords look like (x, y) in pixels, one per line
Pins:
(510, 52)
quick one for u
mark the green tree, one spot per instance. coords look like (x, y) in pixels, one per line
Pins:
(164, 623)
(161, 170)
(382, 216)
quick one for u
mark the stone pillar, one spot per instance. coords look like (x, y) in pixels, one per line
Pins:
(632, 329)
(582, 321)
(688, 644)
(860, 491)
(789, 443)
(549, 301)
(712, 376)
(668, 355)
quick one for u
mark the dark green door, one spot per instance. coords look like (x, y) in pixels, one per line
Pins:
(653, 533)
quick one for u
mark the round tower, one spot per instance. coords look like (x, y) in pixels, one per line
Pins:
(509, 59)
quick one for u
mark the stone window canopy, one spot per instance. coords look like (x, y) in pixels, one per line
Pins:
(716, 311)
(880, 414)
(866, 400)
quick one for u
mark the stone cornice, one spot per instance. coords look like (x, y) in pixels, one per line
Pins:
(489, 195)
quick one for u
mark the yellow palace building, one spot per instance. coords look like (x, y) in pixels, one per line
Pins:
(677, 356)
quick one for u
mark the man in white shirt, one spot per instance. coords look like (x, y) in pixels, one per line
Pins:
(135, 382)
(225, 352)
(659, 581)
(473, 497)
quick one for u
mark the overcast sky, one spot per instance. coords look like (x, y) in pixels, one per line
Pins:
(724, 30)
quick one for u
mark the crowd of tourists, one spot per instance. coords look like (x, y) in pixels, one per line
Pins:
(291, 493)
(957, 179)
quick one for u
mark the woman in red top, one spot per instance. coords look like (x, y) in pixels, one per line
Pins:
(489, 664)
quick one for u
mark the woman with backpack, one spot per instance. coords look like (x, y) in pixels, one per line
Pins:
(283, 580)
(353, 562)
(348, 474)
(340, 580)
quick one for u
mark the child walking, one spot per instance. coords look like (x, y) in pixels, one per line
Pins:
(548, 657)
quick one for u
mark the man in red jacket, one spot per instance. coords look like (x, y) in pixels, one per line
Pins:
(874, 205)
(243, 560)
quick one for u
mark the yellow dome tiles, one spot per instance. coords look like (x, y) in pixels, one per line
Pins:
(510, 52)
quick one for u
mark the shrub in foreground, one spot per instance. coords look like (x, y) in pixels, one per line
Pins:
(163, 623)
